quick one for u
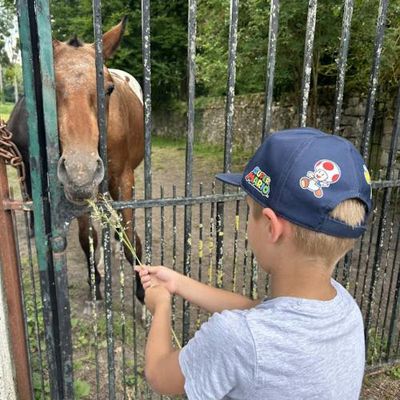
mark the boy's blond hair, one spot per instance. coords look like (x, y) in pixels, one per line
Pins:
(317, 244)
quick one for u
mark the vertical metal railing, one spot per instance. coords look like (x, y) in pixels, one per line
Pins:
(192, 26)
(106, 234)
(39, 88)
(342, 63)
(367, 130)
(146, 53)
(373, 79)
(271, 61)
(36, 47)
(230, 97)
(308, 57)
(386, 199)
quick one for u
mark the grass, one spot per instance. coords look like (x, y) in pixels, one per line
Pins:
(201, 150)
(5, 110)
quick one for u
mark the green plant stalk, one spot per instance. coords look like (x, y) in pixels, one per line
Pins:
(110, 217)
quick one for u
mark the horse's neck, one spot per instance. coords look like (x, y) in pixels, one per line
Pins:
(130, 80)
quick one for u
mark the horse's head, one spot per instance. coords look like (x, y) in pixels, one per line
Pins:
(80, 169)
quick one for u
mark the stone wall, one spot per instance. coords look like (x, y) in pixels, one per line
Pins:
(210, 123)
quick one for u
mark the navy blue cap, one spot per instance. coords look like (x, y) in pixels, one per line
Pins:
(303, 174)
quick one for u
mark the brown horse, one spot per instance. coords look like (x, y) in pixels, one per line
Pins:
(80, 169)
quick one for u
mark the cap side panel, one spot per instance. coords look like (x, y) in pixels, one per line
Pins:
(295, 155)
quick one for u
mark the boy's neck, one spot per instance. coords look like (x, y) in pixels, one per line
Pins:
(309, 280)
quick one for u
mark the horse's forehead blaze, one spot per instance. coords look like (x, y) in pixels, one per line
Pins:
(77, 77)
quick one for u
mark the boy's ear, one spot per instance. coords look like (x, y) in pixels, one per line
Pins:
(275, 226)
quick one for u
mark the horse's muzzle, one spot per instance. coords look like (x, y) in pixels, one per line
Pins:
(80, 176)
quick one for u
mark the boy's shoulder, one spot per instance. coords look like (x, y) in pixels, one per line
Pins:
(286, 316)
(270, 313)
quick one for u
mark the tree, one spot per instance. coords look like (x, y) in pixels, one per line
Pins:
(168, 38)
(5, 26)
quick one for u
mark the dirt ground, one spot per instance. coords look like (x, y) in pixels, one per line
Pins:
(168, 165)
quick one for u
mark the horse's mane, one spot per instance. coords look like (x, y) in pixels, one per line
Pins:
(75, 42)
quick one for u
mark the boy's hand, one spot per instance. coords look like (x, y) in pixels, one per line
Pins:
(152, 276)
(156, 297)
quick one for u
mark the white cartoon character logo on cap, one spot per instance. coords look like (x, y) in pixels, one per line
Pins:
(325, 173)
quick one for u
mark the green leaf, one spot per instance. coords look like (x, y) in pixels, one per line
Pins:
(81, 388)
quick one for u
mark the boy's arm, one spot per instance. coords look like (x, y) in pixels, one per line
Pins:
(162, 368)
(209, 298)
(206, 297)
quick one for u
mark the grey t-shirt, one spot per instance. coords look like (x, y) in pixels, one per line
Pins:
(285, 348)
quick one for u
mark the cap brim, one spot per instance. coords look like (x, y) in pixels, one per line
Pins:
(231, 179)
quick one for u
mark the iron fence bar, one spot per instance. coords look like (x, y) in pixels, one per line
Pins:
(174, 236)
(106, 238)
(162, 228)
(145, 6)
(22, 289)
(94, 304)
(386, 201)
(179, 201)
(385, 255)
(200, 252)
(396, 305)
(367, 261)
(308, 56)
(385, 184)
(101, 121)
(31, 74)
(362, 243)
(189, 158)
(219, 262)
(271, 61)
(134, 314)
(391, 280)
(390, 171)
(13, 294)
(211, 239)
(235, 245)
(245, 259)
(373, 80)
(122, 314)
(230, 97)
(57, 230)
(34, 299)
(229, 115)
(254, 278)
(101, 104)
(342, 63)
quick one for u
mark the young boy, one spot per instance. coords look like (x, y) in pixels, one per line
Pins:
(309, 195)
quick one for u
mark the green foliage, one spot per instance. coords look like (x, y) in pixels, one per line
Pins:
(5, 110)
(169, 44)
(377, 345)
(253, 46)
(168, 38)
(6, 12)
(394, 372)
(81, 389)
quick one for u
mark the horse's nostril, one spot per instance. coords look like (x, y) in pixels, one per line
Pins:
(99, 173)
(62, 170)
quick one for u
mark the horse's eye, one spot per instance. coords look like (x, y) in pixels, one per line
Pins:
(109, 90)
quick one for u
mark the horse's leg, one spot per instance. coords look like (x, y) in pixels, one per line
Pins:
(124, 191)
(83, 223)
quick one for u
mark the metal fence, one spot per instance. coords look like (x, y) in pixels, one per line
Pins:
(201, 233)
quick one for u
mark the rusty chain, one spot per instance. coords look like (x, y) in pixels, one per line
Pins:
(12, 156)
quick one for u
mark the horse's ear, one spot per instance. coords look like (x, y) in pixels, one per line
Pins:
(112, 39)
(56, 43)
